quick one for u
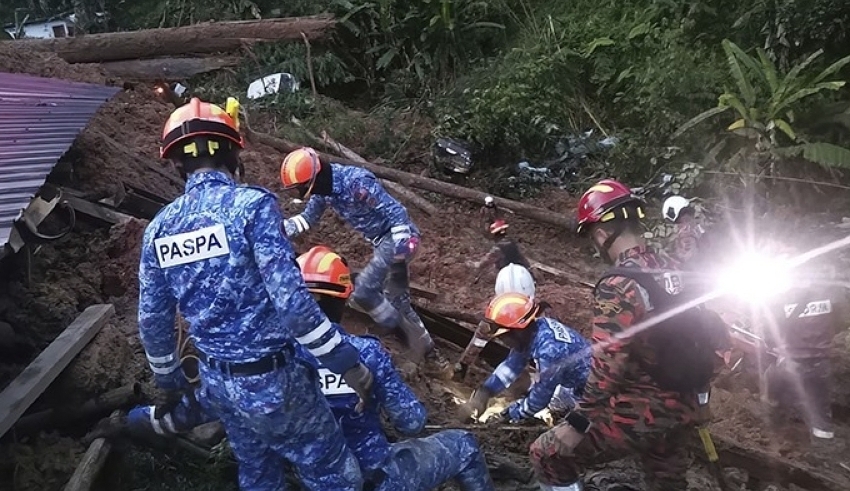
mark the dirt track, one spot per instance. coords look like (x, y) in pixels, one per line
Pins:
(95, 265)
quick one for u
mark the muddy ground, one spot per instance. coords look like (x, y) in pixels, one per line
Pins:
(96, 265)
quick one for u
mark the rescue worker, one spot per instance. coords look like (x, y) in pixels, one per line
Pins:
(419, 464)
(512, 278)
(360, 199)
(560, 355)
(798, 326)
(504, 251)
(218, 255)
(685, 247)
(624, 409)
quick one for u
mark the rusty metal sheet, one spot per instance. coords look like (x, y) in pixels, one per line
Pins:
(39, 120)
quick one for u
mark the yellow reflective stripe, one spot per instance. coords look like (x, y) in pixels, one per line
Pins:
(325, 263)
(603, 188)
(504, 302)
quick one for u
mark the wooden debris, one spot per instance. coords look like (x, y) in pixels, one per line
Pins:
(452, 313)
(26, 388)
(395, 188)
(771, 468)
(455, 333)
(561, 273)
(415, 289)
(167, 69)
(90, 466)
(120, 398)
(425, 183)
(208, 37)
(94, 210)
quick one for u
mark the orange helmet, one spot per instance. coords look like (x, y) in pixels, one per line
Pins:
(498, 226)
(511, 311)
(326, 272)
(198, 118)
(299, 170)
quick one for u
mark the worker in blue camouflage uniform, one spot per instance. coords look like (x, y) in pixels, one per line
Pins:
(360, 199)
(561, 355)
(416, 464)
(218, 255)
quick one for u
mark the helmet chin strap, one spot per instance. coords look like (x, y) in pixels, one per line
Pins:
(619, 228)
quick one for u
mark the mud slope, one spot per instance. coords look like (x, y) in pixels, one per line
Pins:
(96, 265)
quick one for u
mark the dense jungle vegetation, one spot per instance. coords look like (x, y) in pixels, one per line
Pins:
(687, 86)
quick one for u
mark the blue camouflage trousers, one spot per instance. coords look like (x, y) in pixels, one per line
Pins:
(279, 417)
(422, 464)
(383, 287)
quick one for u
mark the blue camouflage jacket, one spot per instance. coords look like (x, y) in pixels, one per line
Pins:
(217, 253)
(562, 357)
(363, 431)
(360, 199)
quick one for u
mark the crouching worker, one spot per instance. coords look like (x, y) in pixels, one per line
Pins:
(561, 355)
(513, 278)
(418, 464)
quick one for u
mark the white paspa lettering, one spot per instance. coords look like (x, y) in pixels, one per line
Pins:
(820, 307)
(190, 247)
(333, 384)
(561, 333)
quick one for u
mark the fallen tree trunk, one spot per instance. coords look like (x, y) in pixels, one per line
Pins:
(210, 37)
(419, 182)
(167, 69)
(395, 188)
(561, 274)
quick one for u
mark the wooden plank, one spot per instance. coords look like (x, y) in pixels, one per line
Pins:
(94, 210)
(26, 388)
(560, 273)
(92, 462)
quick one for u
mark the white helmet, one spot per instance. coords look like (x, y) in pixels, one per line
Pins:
(673, 207)
(514, 278)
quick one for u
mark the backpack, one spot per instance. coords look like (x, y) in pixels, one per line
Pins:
(685, 343)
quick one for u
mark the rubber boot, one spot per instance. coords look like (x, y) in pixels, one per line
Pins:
(416, 338)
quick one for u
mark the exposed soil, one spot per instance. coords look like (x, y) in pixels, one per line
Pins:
(95, 265)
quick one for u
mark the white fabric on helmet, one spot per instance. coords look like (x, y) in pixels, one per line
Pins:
(514, 278)
(673, 206)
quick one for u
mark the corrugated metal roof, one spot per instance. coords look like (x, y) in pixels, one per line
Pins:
(39, 120)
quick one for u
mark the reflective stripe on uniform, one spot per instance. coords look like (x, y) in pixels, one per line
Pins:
(317, 333)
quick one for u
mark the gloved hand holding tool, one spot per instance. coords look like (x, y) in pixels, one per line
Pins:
(361, 380)
(405, 243)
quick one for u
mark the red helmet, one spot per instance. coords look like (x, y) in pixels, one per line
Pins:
(598, 203)
(498, 226)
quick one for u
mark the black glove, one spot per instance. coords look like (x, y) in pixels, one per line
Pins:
(361, 380)
(166, 400)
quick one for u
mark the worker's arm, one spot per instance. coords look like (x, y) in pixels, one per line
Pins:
(368, 189)
(307, 219)
(157, 312)
(507, 372)
(571, 373)
(299, 313)
(401, 406)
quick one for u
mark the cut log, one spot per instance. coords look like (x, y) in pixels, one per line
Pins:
(210, 37)
(452, 313)
(425, 183)
(455, 333)
(89, 467)
(26, 388)
(167, 69)
(394, 188)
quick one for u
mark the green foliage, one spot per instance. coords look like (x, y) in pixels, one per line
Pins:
(328, 68)
(764, 102)
(414, 44)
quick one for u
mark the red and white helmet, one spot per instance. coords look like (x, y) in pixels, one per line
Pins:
(603, 202)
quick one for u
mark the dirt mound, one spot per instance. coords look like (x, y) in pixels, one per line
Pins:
(14, 60)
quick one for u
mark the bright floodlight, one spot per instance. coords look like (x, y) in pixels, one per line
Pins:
(755, 277)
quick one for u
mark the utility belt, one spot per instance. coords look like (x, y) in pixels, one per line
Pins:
(266, 364)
